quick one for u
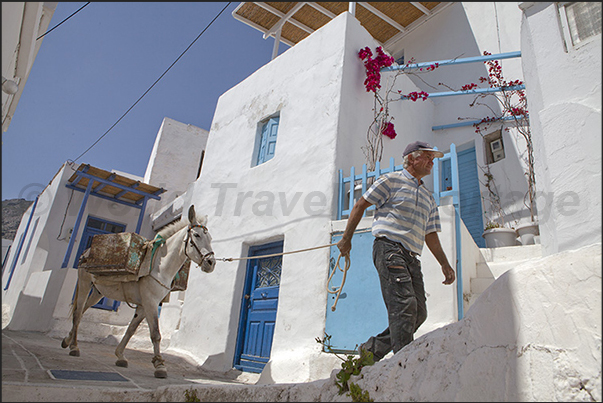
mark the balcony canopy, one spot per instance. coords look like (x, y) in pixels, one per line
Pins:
(291, 22)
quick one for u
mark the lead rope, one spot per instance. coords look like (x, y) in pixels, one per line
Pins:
(344, 270)
(337, 266)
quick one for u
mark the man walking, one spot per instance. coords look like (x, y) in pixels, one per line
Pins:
(406, 217)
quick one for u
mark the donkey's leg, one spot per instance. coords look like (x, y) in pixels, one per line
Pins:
(119, 351)
(81, 302)
(93, 299)
(152, 315)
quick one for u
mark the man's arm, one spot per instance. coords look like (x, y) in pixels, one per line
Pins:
(345, 244)
(433, 243)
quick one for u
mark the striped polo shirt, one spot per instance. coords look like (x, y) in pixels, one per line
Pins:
(405, 210)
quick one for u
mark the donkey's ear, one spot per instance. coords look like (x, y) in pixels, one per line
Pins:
(203, 220)
(191, 214)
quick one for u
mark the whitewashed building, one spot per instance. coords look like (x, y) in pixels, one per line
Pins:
(283, 141)
(39, 278)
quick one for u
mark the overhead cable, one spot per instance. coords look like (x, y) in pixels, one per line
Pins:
(49, 31)
(145, 93)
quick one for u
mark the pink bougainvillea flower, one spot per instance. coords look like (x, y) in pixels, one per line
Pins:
(387, 129)
(374, 66)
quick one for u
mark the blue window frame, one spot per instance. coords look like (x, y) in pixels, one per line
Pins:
(267, 140)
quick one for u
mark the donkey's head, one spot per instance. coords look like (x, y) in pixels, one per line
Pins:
(198, 242)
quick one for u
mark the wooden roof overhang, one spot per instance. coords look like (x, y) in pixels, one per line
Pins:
(291, 22)
(109, 186)
(112, 186)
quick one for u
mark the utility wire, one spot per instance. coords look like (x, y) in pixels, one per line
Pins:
(47, 32)
(145, 93)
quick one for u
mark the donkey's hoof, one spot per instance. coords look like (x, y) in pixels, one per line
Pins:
(75, 353)
(64, 343)
(160, 373)
(122, 363)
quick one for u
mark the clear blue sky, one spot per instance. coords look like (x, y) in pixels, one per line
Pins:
(92, 69)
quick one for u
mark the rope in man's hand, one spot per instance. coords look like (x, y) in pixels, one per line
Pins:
(344, 270)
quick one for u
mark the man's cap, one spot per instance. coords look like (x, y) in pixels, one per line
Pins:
(421, 146)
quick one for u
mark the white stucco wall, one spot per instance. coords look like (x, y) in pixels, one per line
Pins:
(174, 161)
(564, 89)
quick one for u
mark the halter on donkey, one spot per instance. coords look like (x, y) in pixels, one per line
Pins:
(182, 242)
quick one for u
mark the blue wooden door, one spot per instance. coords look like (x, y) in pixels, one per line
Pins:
(258, 308)
(469, 194)
(360, 311)
(95, 226)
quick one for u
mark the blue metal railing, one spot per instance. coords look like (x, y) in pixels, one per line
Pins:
(415, 66)
(363, 177)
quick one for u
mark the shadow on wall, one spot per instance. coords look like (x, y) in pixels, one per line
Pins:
(34, 309)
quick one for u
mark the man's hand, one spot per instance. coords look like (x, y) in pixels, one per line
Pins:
(345, 245)
(448, 273)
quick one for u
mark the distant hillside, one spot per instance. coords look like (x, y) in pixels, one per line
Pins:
(12, 211)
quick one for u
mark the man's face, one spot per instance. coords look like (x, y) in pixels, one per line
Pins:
(423, 164)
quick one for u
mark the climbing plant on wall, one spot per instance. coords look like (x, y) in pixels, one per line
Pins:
(511, 99)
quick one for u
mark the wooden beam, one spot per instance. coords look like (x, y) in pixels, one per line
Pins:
(280, 14)
(323, 10)
(421, 7)
(276, 27)
(259, 27)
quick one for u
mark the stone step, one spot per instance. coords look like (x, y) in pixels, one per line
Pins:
(495, 270)
(483, 270)
(511, 253)
(495, 262)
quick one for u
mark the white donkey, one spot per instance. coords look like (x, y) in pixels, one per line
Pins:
(182, 241)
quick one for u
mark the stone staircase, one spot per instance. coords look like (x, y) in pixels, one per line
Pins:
(493, 263)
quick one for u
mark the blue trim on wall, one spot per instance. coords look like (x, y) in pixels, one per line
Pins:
(21, 241)
(474, 59)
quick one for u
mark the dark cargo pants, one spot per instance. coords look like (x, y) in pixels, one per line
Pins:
(403, 293)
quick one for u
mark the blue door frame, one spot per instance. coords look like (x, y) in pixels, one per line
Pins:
(258, 308)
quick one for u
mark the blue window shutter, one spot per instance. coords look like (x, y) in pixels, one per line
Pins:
(268, 140)
(263, 140)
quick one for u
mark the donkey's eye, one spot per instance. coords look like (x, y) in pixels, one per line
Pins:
(197, 235)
